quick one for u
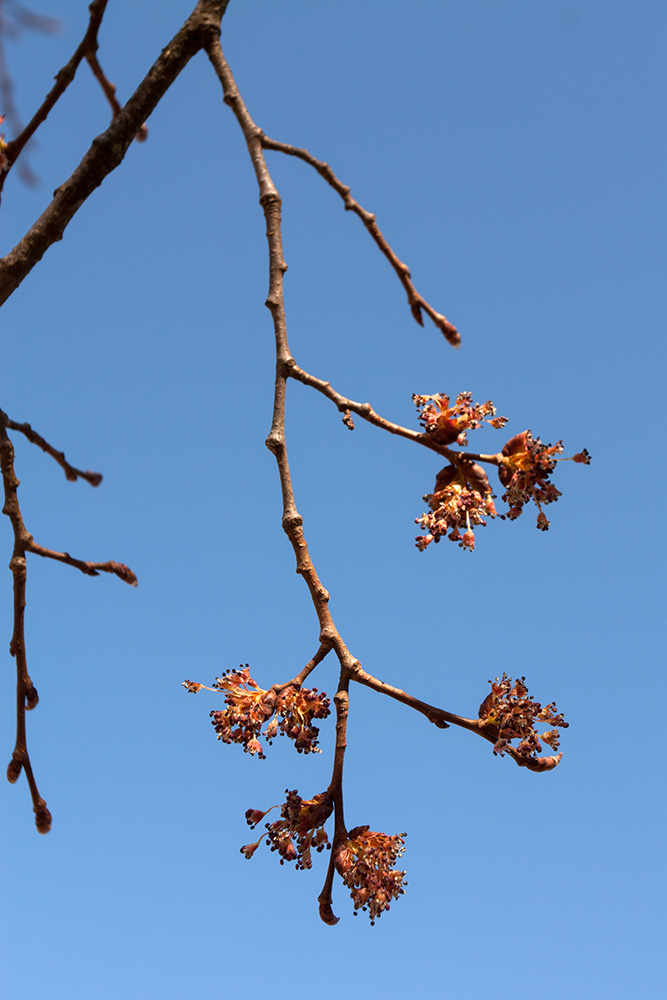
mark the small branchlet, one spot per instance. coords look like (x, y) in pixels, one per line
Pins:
(24, 543)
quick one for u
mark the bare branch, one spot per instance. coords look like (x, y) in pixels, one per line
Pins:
(63, 79)
(109, 91)
(71, 473)
(109, 148)
(26, 694)
(416, 301)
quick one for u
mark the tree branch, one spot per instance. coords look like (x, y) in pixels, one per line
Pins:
(71, 473)
(63, 79)
(416, 301)
(109, 148)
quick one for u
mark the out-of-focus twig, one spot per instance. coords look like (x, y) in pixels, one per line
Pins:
(108, 149)
(110, 92)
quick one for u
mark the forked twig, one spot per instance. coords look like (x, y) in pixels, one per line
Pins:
(26, 694)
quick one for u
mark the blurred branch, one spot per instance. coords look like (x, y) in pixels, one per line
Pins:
(110, 92)
(13, 18)
(109, 148)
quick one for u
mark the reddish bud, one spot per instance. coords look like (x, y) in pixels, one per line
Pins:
(543, 763)
(14, 770)
(43, 819)
(327, 914)
(31, 698)
(124, 573)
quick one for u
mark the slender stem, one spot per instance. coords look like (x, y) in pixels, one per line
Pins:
(366, 412)
(71, 473)
(109, 91)
(109, 148)
(443, 719)
(271, 203)
(89, 568)
(342, 703)
(63, 79)
(26, 694)
(297, 681)
(416, 301)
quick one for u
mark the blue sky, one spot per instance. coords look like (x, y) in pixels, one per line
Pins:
(514, 155)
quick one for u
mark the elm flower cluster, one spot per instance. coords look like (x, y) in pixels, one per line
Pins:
(525, 474)
(298, 831)
(447, 424)
(289, 712)
(366, 861)
(462, 499)
(508, 712)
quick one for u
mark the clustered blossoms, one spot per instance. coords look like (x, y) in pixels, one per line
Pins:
(302, 821)
(249, 707)
(448, 424)
(508, 713)
(525, 474)
(366, 861)
(462, 498)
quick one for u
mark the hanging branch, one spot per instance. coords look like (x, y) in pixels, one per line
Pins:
(364, 859)
(26, 694)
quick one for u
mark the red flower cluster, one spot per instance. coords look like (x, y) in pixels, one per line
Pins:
(447, 424)
(525, 475)
(366, 861)
(509, 713)
(249, 707)
(462, 498)
(302, 820)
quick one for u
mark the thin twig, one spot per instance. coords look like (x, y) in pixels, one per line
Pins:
(443, 719)
(120, 570)
(276, 443)
(297, 682)
(366, 412)
(108, 149)
(26, 694)
(63, 79)
(71, 473)
(109, 91)
(416, 301)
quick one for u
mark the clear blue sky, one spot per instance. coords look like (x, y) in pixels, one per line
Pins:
(514, 154)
